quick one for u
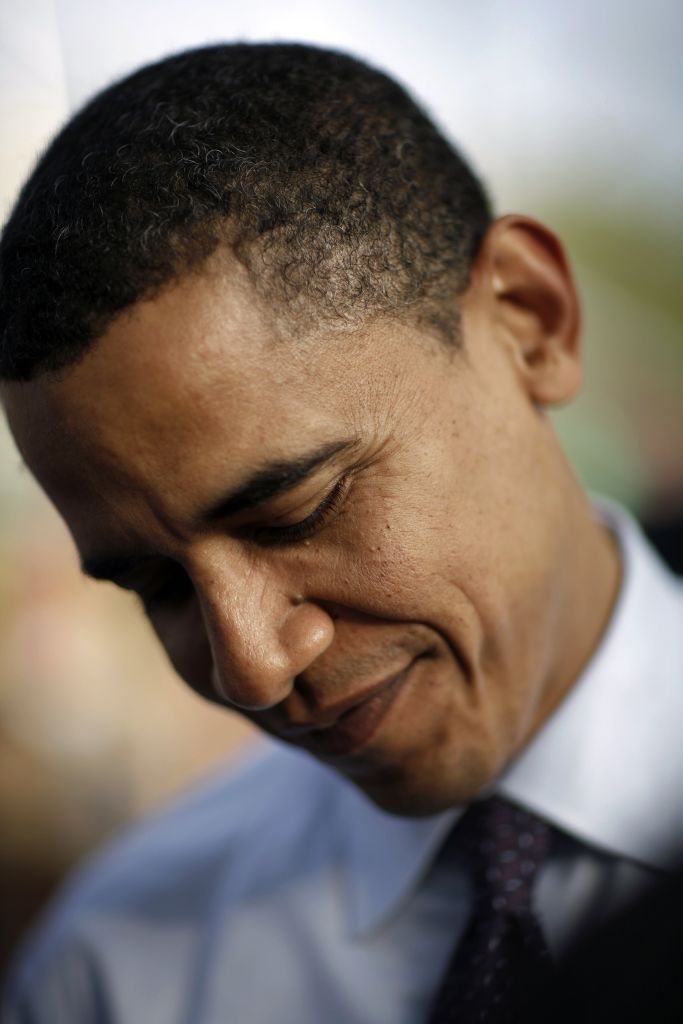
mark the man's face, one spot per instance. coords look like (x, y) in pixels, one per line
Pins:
(356, 540)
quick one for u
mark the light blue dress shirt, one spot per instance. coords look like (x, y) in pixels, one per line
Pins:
(280, 894)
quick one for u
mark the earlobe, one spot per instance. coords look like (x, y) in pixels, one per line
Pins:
(534, 306)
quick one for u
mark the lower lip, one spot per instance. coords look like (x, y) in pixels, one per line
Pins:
(356, 727)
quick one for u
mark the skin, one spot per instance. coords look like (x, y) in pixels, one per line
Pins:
(459, 551)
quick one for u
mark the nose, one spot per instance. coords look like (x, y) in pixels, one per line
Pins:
(260, 635)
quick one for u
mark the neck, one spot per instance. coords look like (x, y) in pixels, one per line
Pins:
(593, 570)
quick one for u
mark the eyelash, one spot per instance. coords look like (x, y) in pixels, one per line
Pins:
(274, 535)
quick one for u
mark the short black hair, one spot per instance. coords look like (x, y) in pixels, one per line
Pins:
(321, 174)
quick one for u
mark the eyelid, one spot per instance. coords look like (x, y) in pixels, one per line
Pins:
(310, 524)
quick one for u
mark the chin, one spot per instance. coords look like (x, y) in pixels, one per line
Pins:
(437, 788)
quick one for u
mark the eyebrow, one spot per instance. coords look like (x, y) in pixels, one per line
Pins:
(273, 479)
(264, 484)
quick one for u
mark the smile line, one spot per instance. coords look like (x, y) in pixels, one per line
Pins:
(330, 717)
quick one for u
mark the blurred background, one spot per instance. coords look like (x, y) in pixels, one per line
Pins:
(571, 112)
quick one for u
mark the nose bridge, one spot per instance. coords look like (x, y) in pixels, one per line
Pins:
(260, 636)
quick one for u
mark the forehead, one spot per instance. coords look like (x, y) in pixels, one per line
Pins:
(195, 382)
(202, 349)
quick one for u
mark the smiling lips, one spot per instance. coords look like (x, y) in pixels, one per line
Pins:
(350, 725)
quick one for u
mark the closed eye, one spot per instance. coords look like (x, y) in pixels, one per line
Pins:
(305, 528)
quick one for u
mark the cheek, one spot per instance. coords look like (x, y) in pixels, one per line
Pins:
(388, 541)
(377, 563)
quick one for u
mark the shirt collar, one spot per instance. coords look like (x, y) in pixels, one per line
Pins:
(604, 768)
(386, 857)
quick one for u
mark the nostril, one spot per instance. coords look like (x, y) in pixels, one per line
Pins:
(257, 651)
(253, 680)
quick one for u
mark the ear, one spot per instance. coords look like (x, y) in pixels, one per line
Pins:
(532, 306)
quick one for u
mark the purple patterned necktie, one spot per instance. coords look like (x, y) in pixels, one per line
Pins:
(503, 955)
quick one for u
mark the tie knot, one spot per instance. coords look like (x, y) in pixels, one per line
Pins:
(505, 846)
